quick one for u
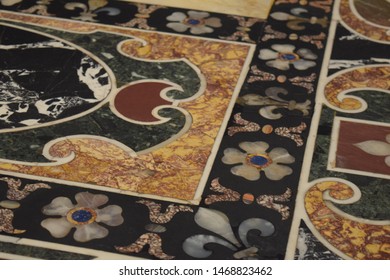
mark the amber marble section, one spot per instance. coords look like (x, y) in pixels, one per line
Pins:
(249, 8)
(364, 77)
(365, 21)
(173, 170)
(355, 238)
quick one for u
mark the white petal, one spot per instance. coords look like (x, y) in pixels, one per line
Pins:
(303, 64)
(277, 172)
(248, 172)
(268, 113)
(306, 53)
(279, 64)
(86, 199)
(387, 161)
(201, 29)
(88, 232)
(216, 222)
(286, 48)
(58, 227)
(281, 155)
(298, 11)
(233, 156)
(59, 206)
(10, 2)
(198, 15)
(213, 22)
(258, 147)
(110, 215)
(178, 27)
(177, 16)
(267, 54)
(280, 16)
(373, 147)
(194, 246)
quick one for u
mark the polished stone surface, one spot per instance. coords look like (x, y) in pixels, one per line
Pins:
(248, 8)
(173, 133)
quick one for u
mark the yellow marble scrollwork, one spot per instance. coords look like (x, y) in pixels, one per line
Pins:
(355, 237)
(373, 77)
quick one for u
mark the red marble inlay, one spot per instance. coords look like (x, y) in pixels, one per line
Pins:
(137, 101)
(350, 156)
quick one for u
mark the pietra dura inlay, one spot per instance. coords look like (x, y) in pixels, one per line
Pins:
(137, 130)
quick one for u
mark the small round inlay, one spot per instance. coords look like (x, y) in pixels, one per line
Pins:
(267, 129)
(259, 161)
(81, 216)
(248, 198)
(281, 78)
(293, 36)
(192, 21)
(288, 56)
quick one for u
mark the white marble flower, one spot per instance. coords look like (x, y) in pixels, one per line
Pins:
(197, 22)
(256, 159)
(85, 216)
(282, 56)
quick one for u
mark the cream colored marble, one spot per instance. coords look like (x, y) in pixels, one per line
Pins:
(250, 8)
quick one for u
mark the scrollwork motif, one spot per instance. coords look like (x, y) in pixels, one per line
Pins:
(356, 238)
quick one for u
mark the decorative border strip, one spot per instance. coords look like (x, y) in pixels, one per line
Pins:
(273, 110)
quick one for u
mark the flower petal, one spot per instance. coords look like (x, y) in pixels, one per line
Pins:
(177, 16)
(58, 227)
(59, 206)
(110, 215)
(198, 15)
(213, 22)
(374, 147)
(86, 199)
(233, 156)
(281, 155)
(303, 64)
(217, 222)
(279, 64)
(281, 16)
(248, 172)
(88, 232)
(277, 172)
(258, 147)
(387, 161)
(178, 27)
(286, 48)
(306, 53)
(201, 29)
(266, 54)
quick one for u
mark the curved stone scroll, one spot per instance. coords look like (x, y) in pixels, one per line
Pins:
(368, 19)
(355, 237)
(341, 84)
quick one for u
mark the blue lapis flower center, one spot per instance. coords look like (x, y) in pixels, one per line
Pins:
(258, 160)
(193, 21)
(81, 216)
(288, 56)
